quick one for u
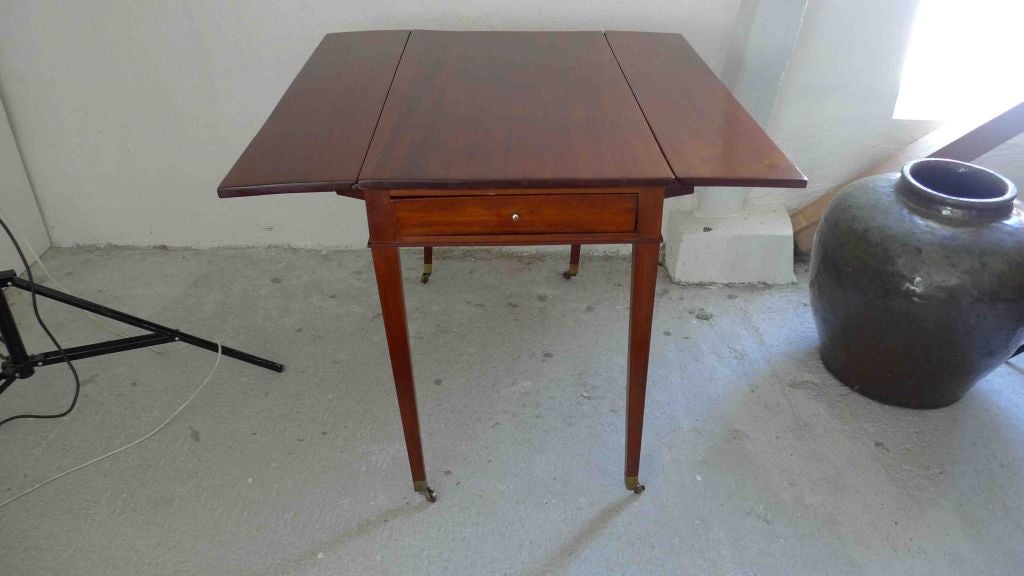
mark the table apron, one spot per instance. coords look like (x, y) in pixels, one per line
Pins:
(512, 218)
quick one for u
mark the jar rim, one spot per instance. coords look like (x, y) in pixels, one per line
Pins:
(959, 184)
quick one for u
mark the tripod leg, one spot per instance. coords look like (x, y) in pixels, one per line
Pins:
(142, 323)
(16, 352)
(6, 382)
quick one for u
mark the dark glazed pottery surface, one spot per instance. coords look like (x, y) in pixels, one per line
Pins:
(917, 282)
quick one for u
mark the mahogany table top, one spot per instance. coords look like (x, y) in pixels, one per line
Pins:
(485, 110)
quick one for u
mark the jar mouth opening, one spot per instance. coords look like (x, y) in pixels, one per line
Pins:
(959, 184)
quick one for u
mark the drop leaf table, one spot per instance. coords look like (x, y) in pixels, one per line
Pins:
(508, 138)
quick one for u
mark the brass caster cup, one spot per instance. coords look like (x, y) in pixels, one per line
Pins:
(633, 483)
(428, 492)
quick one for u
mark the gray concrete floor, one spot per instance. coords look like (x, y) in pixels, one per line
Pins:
(756, 460)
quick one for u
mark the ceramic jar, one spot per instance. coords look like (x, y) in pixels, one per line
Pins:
(917, 282)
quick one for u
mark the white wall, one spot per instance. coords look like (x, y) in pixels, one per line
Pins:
(17, 203)
(130, 113)
(833, 115)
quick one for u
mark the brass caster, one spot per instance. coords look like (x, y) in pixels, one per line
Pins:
(567, 275)
(572, 271)
(425, 277)
(633, 483)
(428, 492)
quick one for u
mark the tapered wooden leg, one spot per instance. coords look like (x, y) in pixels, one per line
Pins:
(388, 268)
(428, 263)
(574, 262)
(641, 314)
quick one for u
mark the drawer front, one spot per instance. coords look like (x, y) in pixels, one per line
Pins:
(516, 214)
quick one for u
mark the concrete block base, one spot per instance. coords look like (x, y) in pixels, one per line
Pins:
(751, 247)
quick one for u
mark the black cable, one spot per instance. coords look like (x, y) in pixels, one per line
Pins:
(39, 318)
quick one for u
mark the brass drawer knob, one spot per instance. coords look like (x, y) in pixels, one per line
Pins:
(515, 217)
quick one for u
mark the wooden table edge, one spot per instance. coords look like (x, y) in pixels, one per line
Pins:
(357, 189)
(283, 188)
(515, 183)
(753, 182)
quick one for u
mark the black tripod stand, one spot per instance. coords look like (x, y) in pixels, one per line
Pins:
(21, 364)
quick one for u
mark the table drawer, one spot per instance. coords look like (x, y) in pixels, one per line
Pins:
(516, 214)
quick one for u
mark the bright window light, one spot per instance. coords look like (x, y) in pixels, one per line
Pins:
(964, 59)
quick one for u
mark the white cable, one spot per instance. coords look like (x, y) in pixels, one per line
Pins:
(126, 446)
(95, 319)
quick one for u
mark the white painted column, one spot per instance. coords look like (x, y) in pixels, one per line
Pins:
(720, 238)
(17, 202)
